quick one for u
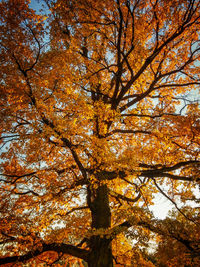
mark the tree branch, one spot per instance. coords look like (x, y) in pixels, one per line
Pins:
(57, 247)
(127, 199)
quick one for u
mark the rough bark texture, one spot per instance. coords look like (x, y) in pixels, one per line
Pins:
(101, 216)
(101, 251)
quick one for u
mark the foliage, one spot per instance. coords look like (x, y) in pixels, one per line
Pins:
(98, 116)
(180, 246)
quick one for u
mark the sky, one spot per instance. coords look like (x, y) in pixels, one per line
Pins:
(36, 4)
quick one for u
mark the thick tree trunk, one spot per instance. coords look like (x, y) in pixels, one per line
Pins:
(101, 253)
(101, 250)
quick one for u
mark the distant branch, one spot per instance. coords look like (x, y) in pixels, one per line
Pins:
(127, 131)
(155, 226)
(17, 177)
(173, 202)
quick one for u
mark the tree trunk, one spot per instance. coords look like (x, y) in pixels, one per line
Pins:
(101, 250)
(101, 253)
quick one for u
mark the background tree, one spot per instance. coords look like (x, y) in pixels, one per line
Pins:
(97, 116)
(179, 245)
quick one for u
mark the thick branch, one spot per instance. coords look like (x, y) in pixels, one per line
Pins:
(60, 248)
(163, 171)
(127, 199)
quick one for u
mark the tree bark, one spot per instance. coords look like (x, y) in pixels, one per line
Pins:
(101, 253)
(101, 249)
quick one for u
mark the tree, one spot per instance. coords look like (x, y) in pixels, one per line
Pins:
(180, 247)
(97, 117)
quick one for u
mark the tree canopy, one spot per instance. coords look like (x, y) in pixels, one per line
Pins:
(98, 115)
